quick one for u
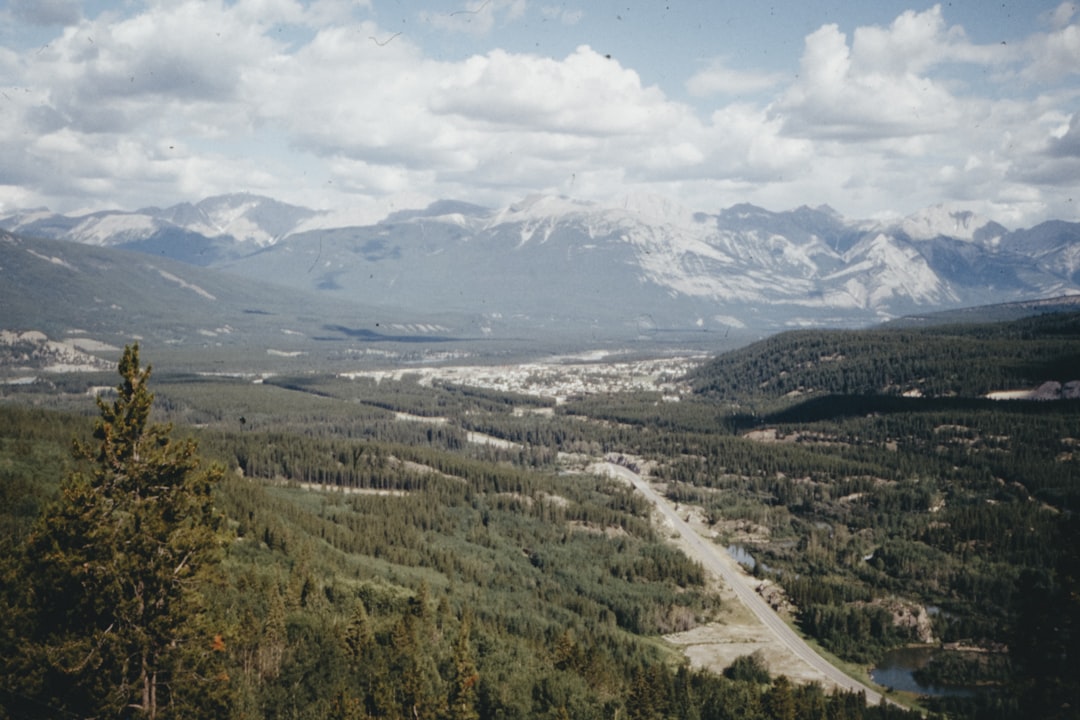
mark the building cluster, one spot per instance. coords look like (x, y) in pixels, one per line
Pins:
(559, 378)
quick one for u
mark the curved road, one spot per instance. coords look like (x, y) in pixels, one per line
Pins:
(709, 556)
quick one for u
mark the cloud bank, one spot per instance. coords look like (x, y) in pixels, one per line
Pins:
(333, 104)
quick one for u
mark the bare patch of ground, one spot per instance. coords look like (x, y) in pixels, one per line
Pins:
(344, 490)
(479, 438)
(736, 632)
(715, 646)
(421, 468)
(774, 435)
(559, 378)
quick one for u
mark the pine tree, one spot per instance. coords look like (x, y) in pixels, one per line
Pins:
(780, 699)
(114, 569)
(359, 637)
(463, 690)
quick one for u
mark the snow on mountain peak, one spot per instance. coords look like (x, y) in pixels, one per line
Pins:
(114, 228)
(879, 268)
(657, 209)
(539, 213)
(18, 218)
(250, 218)
(637, 252)
(943, 221)
(539, 206)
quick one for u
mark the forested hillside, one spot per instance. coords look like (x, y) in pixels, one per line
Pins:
(944, 361)
(452, 580)
(938, 517)
(466, 563)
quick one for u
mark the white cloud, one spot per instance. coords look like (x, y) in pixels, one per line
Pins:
(899, 99)
(878, 87)
(1054, 55)
(1057, 162)
(346, 94)
(719, 79)
(102, 71)
(317, 103)
(1067, 143)
(915, 42)
(1063, 14)
(583, 93)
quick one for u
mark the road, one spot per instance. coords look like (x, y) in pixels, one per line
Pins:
(712, 558)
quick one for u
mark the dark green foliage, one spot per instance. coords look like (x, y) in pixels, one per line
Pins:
(490, 637)
(109, 606)
(965, 669)
(948, 360)
(445, 577)
(749, 668)
(856, 632)
(1045, 639)
(35, 456)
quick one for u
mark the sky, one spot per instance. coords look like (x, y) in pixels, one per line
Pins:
(877, 109)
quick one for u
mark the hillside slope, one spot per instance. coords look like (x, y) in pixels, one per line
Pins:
(968, 360)
(113, 296)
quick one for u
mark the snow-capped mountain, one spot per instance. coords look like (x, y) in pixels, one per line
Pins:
(202, 233)
(945, 221)
(640, 264)
(245, 218)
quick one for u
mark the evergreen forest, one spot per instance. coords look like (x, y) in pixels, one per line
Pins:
(315, 546)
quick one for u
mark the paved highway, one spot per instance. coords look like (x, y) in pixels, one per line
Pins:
(709, 554)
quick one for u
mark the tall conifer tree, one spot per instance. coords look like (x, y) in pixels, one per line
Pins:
(114, 570)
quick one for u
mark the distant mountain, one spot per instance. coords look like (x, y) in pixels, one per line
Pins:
(102, 298)
(1002, 312)
(206, 233)
(942, 221)
(1055, 245)
(641, 266)
(53, 286)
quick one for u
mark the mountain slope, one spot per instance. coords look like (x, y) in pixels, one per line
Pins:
(111, 297)
(950, 361)
(550, 260)
(643, 264)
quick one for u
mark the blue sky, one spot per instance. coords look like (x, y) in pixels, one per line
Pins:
(366, 106)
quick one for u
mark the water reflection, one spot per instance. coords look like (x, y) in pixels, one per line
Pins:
(742, 556)
(897, 667)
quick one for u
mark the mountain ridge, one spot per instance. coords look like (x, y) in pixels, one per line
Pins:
(639, 261)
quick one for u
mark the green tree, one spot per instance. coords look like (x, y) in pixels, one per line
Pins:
(749, 668)
(113, 572)
(1046, 636)
(780, 699)
(462, 701)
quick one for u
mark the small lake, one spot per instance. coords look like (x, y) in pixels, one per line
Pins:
(742, 556)
(895, 669)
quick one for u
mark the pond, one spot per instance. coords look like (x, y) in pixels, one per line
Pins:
(742, 556)
(895, 670)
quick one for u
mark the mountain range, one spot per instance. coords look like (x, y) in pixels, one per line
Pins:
(644, 266)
